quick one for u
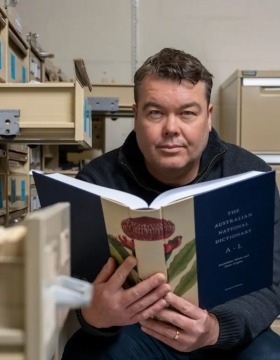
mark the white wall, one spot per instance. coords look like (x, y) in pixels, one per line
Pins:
(224, 34)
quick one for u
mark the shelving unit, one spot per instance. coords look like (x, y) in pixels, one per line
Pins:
(14, 158)
(41, 114)
(50, 113)
(48, 110)
(15, 183)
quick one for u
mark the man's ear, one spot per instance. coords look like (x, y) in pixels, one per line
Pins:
(210, 111)
(134, 109)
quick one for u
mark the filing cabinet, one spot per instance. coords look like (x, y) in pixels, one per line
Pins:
(250, 108)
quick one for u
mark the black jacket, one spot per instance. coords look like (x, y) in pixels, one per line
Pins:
(242, 319)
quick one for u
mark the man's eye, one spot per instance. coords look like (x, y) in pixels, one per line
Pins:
(187, 114)
(155, 114)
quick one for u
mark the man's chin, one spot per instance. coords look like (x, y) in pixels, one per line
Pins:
(175, 166)
(164, 166)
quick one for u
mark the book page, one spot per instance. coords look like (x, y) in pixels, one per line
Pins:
(162, 240)
(132, 201)
(190, 190)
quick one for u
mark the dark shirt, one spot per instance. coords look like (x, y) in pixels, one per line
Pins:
(241, 319)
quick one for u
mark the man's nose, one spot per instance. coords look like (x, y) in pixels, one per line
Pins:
(171, 125)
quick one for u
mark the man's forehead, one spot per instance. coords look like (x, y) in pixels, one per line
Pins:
(153, 88)
(153, 81)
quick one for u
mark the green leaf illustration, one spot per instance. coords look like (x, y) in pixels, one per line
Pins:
(117, 250)
(181, 260)
(187, 281)
(119, 253)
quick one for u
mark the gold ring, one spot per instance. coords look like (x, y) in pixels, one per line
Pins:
(176, 337)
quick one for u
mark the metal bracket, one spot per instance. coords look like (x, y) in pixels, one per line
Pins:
(9, 122)
(104, 104)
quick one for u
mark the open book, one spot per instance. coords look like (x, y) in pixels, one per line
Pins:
(212, 240)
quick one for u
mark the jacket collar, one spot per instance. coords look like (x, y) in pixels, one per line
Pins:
(212, 154)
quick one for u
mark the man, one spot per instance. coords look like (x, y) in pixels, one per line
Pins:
(172, 144)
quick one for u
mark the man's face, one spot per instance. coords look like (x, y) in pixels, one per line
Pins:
(172, 122)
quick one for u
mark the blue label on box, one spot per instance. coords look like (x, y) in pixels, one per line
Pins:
(87, 118)
(13, 66)
(22, 190)
(23, 74)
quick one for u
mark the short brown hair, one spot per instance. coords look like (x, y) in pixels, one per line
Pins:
(174, 65)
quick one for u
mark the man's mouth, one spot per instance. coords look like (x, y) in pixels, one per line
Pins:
(171, 146)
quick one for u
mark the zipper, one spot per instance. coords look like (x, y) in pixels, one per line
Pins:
(207, 170)
(136, 180)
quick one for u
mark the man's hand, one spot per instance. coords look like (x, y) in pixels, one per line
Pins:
(112, 305)
(183, 326)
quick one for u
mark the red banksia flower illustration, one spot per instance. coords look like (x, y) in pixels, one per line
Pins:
(146, 228)
(149, 229)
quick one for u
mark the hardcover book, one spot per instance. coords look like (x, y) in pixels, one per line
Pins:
(212, 240)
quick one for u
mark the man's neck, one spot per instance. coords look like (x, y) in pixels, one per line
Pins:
(175, 177)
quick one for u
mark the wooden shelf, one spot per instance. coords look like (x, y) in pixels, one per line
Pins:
(49, 112)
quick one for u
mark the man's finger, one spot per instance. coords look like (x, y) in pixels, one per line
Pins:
(183, 306)
(119, 277)
(155, 286)
(106, 272)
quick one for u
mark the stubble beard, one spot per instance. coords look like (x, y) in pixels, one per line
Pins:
(173, 173)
